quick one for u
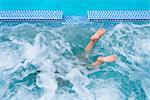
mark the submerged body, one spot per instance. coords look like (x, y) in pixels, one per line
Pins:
(93, 39)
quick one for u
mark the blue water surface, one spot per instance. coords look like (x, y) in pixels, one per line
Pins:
(46, 61)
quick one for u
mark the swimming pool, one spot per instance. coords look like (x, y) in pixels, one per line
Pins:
(40, 60)
(41, 50)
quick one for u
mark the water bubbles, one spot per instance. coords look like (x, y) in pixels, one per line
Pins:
(46, 63)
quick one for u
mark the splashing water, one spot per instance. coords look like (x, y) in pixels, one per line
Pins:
(41, 62)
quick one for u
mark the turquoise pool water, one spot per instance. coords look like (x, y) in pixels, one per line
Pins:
(45, 61)
(74, 7)
(42, 61)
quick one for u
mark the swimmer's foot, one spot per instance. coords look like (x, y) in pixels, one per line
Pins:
(93, 39)
(101, 60)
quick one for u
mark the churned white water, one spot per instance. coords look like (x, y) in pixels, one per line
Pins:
(42, 62)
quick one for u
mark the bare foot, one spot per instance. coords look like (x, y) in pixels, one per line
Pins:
(96, 63)
(110, 58)
(93, 39)
(101, 60)
(97, 35)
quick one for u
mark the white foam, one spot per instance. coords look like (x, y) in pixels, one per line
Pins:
(107, 90)
(22, 94)
(46, 51)
(45, 81)
(143, 45)
(146, 87)
(67, 96)
(9, 57)
(132, 96)
(80, 82)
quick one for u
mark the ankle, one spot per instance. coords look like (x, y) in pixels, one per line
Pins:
(100, 59)
(93, 41)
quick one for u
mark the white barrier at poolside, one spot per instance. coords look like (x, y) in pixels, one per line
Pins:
(30, 15)
(58, 15)
(114, 15)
